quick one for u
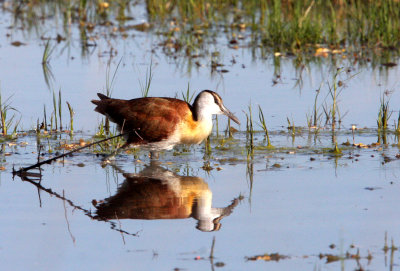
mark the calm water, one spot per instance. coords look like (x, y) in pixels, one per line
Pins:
(135, 216)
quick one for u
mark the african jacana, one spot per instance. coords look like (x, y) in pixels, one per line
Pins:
(157, 123)
(158, 193)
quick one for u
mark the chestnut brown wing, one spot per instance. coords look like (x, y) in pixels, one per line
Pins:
(153, 119)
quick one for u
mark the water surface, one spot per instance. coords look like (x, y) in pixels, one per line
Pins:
(298, 200)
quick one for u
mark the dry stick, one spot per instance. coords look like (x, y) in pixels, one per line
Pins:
(24, 169)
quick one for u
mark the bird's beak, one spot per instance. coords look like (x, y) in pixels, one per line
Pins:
(230, 115)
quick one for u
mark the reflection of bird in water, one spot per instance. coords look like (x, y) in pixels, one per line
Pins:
(161, 123)
(156, 193)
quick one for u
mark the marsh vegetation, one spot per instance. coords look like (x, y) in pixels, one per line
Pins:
(315, 162)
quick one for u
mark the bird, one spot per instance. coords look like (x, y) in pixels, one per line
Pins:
(158, 193)
(160, 123)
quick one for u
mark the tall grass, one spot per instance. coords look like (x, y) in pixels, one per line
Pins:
(44, 118)
(289, 25)
(6, 120)
(54, 112)
(110, 82)
(71, 115)
(189, 27)
(384, 114)
(145, 86)
(313, 121)
(188, 96)
(111, 77)
(60, 109)
(264, 126)
(249, 133)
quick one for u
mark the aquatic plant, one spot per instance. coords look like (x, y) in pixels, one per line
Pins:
(59, 108)
(71, 115)
(333, 92)
(46, 67)
(264, 126)
(384, 114)
(44, 118)
(397, 125)
(336, 150)
(100, 130)
(54, 112)
(188, 96)
(307, 29)
(6, 122)
(110, 80)
(145, 86)
(48, 51)
(249, 133)
(291, 127)
(207, 147)
(313, 121)
(293, 26)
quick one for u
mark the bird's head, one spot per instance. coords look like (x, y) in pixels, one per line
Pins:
(209, 102)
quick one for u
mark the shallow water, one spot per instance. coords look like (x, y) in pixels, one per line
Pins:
(297, 210)
(297, 200)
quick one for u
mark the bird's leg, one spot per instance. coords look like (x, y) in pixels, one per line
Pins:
(111, 156)
(154, 155)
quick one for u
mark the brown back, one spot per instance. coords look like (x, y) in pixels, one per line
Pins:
(153, 119)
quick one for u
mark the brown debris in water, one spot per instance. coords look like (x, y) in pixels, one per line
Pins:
(267, 257)
(17, 43)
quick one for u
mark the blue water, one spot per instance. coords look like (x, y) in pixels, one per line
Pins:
(297, 209)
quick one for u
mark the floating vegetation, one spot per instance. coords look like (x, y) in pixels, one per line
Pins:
(351, 254)
(336, 150)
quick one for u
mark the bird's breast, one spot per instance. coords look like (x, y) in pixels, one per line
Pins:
(194, 132)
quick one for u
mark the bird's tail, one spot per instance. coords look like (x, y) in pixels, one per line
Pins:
(99, 102)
